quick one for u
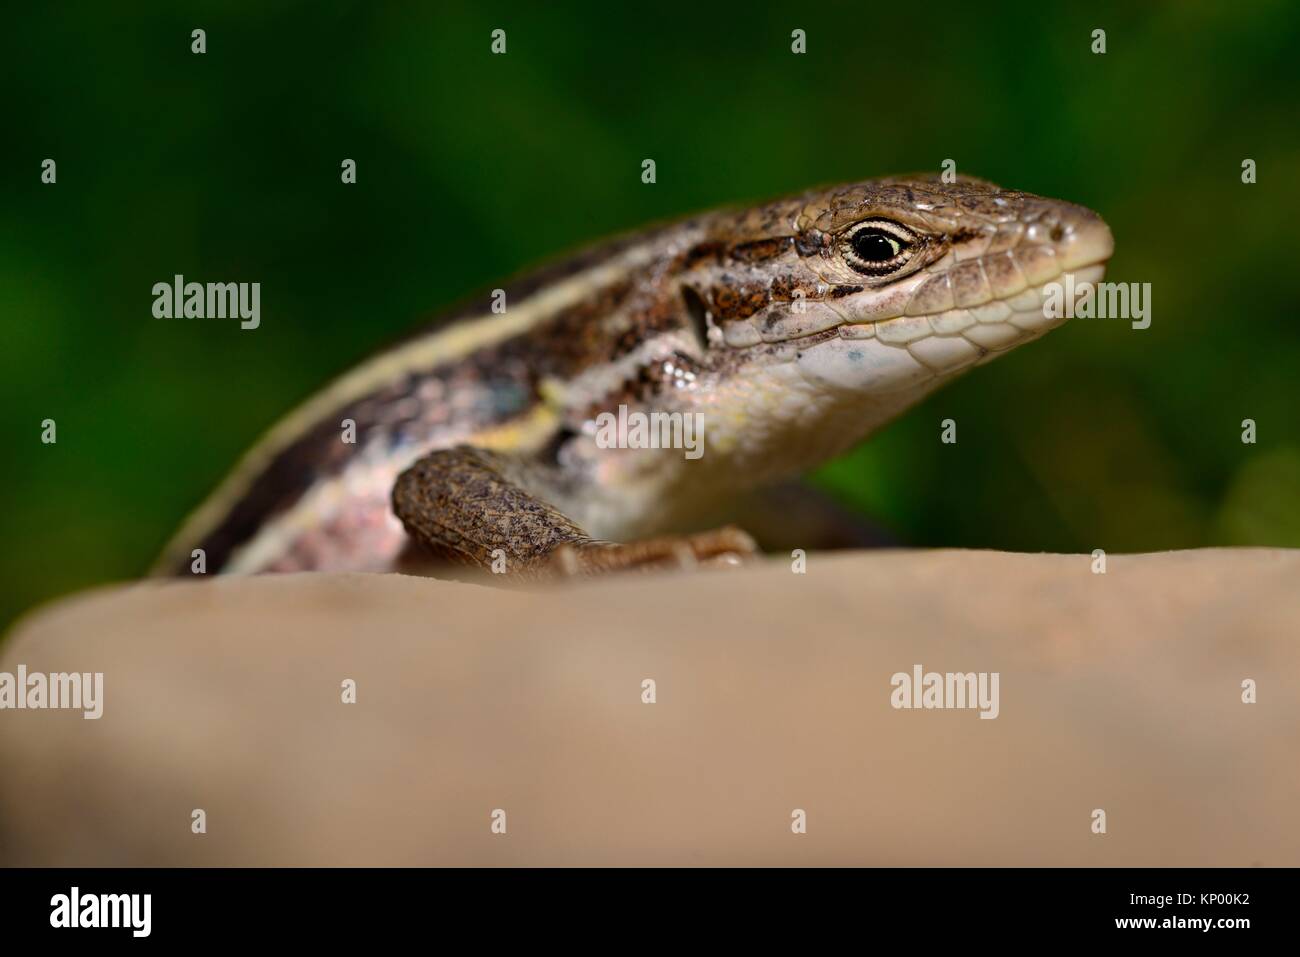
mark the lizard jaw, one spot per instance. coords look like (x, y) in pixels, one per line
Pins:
(980, 299)
(908, 351)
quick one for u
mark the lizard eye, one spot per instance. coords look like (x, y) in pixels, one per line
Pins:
(878, 247)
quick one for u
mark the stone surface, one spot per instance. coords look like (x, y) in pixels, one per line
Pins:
(1120, 691)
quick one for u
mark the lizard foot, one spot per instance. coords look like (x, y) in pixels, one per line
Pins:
(718, 548)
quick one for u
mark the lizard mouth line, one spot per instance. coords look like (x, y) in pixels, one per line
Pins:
(1022, 311)
(1025, 300)
(902, 351)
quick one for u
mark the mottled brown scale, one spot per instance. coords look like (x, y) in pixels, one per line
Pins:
(761, 250)
(700, 254)
(650, 317)
(785, 287)
(726, 301)
(648, 383)
(738, 302)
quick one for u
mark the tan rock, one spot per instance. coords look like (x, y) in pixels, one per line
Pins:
(1120, 692)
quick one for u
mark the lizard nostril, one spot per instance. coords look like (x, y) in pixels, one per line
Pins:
(1057, 233)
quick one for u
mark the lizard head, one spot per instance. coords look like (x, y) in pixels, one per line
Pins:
(846, 305)
(904, 280)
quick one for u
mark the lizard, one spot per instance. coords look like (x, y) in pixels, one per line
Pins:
(792, 329)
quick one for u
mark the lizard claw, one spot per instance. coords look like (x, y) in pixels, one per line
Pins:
(726, 547)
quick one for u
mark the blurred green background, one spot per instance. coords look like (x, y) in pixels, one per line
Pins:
(471, 167)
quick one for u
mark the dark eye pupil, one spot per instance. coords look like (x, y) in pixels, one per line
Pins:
(874, 247)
